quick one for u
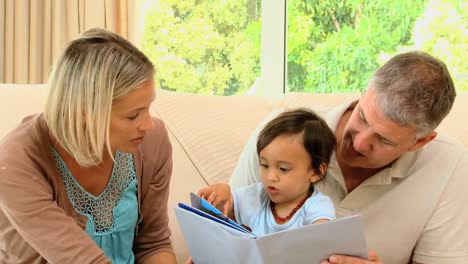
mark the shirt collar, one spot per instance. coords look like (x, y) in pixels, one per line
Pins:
(333, 116)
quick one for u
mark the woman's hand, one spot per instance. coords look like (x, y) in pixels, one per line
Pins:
(342, 259)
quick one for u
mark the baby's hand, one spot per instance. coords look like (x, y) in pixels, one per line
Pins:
(219, 195)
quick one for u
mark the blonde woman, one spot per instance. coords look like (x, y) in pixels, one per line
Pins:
(87, 180)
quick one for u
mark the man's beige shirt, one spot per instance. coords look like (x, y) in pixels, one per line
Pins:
(416, 209)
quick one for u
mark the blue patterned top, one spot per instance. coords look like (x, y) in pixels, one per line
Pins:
(112, 215)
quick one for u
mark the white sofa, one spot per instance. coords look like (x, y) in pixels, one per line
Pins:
(207, 132)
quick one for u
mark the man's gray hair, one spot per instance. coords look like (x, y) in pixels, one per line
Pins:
(414, 89)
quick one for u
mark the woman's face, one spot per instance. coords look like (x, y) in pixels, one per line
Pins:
(131, 119)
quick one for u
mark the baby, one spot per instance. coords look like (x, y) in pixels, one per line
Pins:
(294, 150)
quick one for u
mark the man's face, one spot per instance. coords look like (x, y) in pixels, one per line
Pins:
(371, 140)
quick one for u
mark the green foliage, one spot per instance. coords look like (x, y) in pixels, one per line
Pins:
(339, 49)
(207, 47)
(213, 46)
(442, 31)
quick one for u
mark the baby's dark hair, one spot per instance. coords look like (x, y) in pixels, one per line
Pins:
(318, 139)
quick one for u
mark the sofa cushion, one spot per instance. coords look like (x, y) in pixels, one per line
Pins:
(211, 129)
(453, 125)
(185, 179)
(316, 101)
(18, 101)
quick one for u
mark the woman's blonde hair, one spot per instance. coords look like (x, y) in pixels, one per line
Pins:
(94, 70)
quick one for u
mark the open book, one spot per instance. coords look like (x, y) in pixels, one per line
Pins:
(214, 238)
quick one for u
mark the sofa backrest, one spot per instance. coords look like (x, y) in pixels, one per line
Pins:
(18, 101)
(212, 130)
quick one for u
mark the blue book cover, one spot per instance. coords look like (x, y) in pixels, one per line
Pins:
(203, 208)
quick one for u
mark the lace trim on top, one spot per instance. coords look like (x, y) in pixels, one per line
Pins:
(99, 208)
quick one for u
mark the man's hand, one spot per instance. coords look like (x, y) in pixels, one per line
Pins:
(219, 195)
(341, 259)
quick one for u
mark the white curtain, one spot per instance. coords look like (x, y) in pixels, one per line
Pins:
(34, 32)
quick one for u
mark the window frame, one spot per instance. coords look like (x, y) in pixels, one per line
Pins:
(272, 81)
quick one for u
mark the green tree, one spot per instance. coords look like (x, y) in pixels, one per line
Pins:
(206, 47)
(442, 31)
(213, 46)
(335, 45)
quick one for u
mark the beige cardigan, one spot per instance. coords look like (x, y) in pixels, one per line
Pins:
(37, 221)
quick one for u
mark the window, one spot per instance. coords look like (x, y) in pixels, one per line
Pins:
(335, 46)
(232, 47)
(204, 46)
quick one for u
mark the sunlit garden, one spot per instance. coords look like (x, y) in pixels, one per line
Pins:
(213, 47)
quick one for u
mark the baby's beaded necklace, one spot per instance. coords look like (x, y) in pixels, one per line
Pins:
(280, 219)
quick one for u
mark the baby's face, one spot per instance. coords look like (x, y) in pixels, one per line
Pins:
(285, 168)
